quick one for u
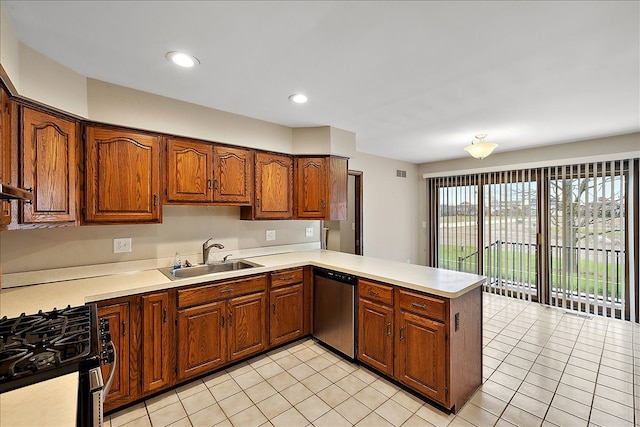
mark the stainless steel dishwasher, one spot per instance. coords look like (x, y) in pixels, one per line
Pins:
(334, 310)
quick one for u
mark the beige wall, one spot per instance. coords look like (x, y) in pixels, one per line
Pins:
(129, 107)
(50, 83)
(389, 207)
(389, 202)
(9, 48)
(184, 229)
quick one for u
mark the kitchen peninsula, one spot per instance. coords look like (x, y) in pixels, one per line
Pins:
(430, 337)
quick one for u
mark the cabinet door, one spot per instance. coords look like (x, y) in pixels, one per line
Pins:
(421, 358)
(232, 175)
(49, 164)
(189, 171)
(375, 343)
(247, 325)
(122, 176)
(121, 390)
(5, 152)
(156, 342)
(286, 318)
(274, 187)
(202, 339)
(311, 187)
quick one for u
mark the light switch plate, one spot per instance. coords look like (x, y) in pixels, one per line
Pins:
(122, 245)
(270, 235)
(308, 232)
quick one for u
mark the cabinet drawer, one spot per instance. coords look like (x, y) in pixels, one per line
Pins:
(423, 305)
(286, 277)
(221, 290)
(375, 291)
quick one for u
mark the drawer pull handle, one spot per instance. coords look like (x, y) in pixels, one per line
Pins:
(288, 278)
(388, 328)
(420, 306)
(375, 294)
(224, 291)
(401, 333)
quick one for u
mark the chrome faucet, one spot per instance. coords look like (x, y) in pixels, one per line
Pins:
(206, 248)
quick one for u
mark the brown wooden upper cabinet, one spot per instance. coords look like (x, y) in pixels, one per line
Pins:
(5, 152)
(321, 188)
(122, 176)
(273, 188)
(232, 175)
(189, 171)
(200, 172)
(49, 167)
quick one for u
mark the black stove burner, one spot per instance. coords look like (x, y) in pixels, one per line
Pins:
(31, 344)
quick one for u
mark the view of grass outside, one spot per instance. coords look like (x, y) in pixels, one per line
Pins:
(585, 237)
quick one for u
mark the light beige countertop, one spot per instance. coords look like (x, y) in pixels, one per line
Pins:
(14, 406)
(46, 296)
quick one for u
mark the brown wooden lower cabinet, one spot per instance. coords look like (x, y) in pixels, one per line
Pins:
(430, 344)
(123, 388)
(375, 340)
(247, 321)
(202, 339)
(286, 314)
(157, 344)
(422, 356)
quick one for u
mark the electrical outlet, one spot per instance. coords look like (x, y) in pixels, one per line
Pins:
(122, 245)
(308, 232)
(270, 235)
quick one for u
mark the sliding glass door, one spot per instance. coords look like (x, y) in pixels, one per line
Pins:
(558, 235)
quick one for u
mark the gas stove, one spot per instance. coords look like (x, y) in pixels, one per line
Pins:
(41, 346)
(47, 344)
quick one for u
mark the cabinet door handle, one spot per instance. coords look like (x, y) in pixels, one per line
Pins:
(274, 307)
(222, 324)
(258, 202)
(230, 318)
(420, 306)
(215, 184)
(224, 291)
(209, 184)
(124, 328)
(388, 328)
(164, 315)
(322, 204)
(375, 294)
(401, 333)
(155, 200)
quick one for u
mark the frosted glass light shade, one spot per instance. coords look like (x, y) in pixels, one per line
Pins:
(481, 149)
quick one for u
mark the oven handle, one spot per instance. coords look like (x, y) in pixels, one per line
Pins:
(114, 365)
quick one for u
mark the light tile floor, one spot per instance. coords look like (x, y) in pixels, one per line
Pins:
(542, 366)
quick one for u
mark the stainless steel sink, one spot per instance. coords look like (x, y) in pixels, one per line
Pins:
(201, 270)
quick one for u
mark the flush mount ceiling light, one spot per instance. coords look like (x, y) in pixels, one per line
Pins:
(182, 59)
(298, 98)
(480, 149)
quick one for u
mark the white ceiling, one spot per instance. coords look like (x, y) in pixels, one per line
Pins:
(414, 80)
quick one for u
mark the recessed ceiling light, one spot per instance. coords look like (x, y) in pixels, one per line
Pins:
(298, 98)
(182, 59)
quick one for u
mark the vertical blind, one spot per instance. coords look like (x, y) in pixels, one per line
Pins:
(559, 235)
